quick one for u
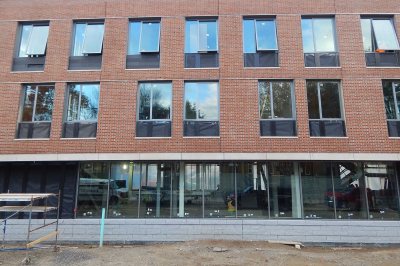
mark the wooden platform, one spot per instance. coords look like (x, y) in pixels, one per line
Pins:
(37, 209)
(24, 197)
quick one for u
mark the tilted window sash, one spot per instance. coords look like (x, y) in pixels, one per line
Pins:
(93, 39)
(385, 34)
(149, 37)
(37, 40)
(265, 30)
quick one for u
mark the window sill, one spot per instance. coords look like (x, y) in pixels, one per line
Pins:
(389, 67)
(26, 71)
(338, 67)
(153, 138)
(84, 70)
(320, 137)
(146, 69)
(279, 137)
(205, 68)
(201, 137)
(262, 67)
(78, 138)
(394, 137)
(40, 139)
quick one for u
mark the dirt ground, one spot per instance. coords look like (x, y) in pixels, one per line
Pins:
(205, 253)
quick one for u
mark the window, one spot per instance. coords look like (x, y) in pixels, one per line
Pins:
(381, 45)
(325, 109)
(154, 110)
(82, 110)
(391, 94)
(201, 109)
(260, 46)
(319, 42)
(276, 103)
(36, 112)
(144, 44)
(201, 43)
(31, 49)
(87, 45)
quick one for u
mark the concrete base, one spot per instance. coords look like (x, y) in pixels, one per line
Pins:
(146, 230)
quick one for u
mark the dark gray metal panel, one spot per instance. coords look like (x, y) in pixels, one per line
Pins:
(28, 63)
(261, 59)
(327, 128)
(201, 60)
(80, 130)
(85, 62)
(153, 129)
(278, 128)
(386, 59)
(150, 60)
(201, 128)
(394, 128)
(33, 130)
(321, 59)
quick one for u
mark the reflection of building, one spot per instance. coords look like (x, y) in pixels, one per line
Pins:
(180, 129)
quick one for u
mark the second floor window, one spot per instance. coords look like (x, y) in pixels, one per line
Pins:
(201, 111)
(380, 41)
(325, 109)
(201, 43)
(391, 94)
(319, 42)
(82, 111)
(31, 47)
(87, 45)
(154, 109)
(144, 44)
(260, 46)
(277, 108)
(36, 111)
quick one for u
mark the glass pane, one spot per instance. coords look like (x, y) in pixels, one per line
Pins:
(123, 202)
(25, 33)
(324, 35)
(207, 101)
(150, 37)
(252, 190)
(38, 40)
(162, 99)
(93, 42)
(80, 29)
(159, 190)
(367, 34)
(191, 91)
(249, 36)
(144, 101)
(330, 100)
(266, 35)
(134, 37)
(44, 103)
(318, 195)
(312, 98)
(381, 186)
(397, 91)
(194, 188)
(208, 36)
(389, 100)
(264, 100)
(191, 36)
(349, 192)
(73, 102)
(89, 102)
(282, 96)
(307, 34)
(219, 191)
(29, 100)
(284, 191)
(385, 34)
(93, 189)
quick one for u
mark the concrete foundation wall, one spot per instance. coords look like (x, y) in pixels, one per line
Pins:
(138, 230)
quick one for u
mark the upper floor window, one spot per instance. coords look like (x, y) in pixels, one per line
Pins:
(319, 42)
(260, 46)
(380, 41)
(36, 112)
(154, 109)
(391, 94)
(201, 111)
(31, 46)
(325, 109)
(82, 110)
(201, 43)
(277, 108)
(87, 45)
(144, 44)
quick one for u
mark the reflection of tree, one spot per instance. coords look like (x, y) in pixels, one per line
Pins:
(282, 99)
(89, 105)
(264, 100)
(44, 104)
(160, 110)
(190, 110)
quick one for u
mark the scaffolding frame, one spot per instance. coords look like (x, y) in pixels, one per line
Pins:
(30, 200)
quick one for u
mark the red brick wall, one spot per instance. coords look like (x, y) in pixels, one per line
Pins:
(239, 123)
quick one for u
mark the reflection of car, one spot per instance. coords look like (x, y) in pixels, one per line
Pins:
(96, 190)
(348, 198)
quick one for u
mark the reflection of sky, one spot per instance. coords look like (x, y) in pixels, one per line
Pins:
(385, 35)
(266, 35)
(38, 40)
(90, 93)
(149, 38)
(249, 36)
(93, 38)
(320, 32)
(200, 36)
(162, 94)
(79, 37)
(367, 36)
(203, 95)
(134, 35)
(26, 30)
